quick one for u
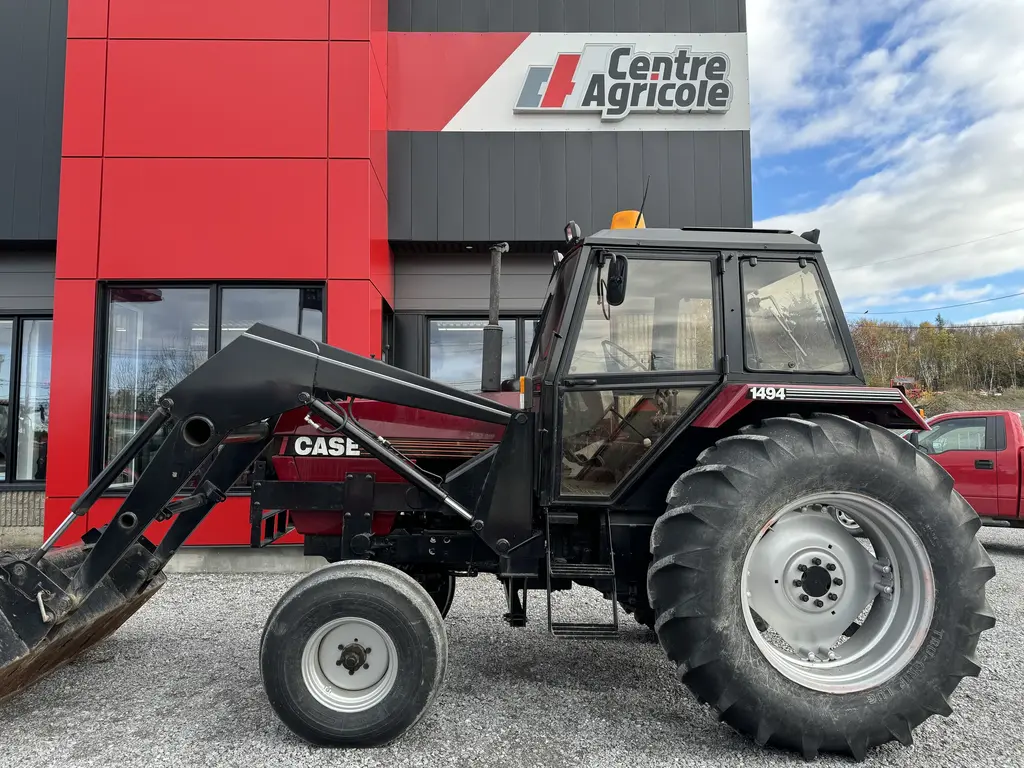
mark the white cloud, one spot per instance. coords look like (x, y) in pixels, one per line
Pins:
(1009, 316)
(934, 114)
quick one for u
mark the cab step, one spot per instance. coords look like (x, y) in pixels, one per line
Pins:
(583, 572)
(585, 631)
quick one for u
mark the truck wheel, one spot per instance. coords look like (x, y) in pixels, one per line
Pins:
(353, 655)
(747, 530)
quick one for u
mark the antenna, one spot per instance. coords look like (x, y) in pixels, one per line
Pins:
(643, 202)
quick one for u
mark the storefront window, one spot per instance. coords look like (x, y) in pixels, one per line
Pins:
(34, 399)
(6, 366)
(24, 398)
(457, 352)
(157, 336)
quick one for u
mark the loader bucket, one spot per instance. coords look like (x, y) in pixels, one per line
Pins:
(26, 655)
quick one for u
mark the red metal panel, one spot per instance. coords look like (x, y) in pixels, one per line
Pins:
(382, 263)
(84, 75)
(348, 224)
(349, 101)
(379, 36)
(87, 18)
(219, 19)
(54, 513)
(186, 98)
(74, 314)
(378, 126)
(350, 19)
(431, 76)
(202, 219)
(78, 217)
(354, 316)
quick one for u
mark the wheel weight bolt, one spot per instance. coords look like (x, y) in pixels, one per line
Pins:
(816, 560)
(818, 603)
(833, 596)
(801, 567)
(830, 567)
(804, 598)
(797, 583)
(837, 582)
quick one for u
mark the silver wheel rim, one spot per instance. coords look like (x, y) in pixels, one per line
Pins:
(809, 579)
(845, 520)
(349, 665)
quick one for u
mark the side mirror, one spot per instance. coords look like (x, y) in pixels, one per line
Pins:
(615, 290)
(914, 438)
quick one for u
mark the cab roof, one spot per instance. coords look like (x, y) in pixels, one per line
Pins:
(704, 238)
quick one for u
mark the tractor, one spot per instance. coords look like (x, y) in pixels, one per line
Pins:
(692, 418)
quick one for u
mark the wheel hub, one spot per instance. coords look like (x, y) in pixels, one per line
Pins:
(353, 656)
(349, 664)
(815, 579)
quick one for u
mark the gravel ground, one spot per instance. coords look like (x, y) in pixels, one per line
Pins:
(179, 685)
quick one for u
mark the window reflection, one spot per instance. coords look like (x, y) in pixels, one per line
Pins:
(6, 366)
(457, 352)
(296, 310)
(34, 399)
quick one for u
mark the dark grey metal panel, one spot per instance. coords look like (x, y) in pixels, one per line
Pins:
(32, 55)
(476, 186)
(552, 16)
(454, 282)
(501, 184)
(26, 281)
(450, 186)
(652, 15)
(425, 188)
(630, 156)
(677, 16)
(682, 178)
(656, 168)
(579, 186)
(568, 15)
(708, 177)
(410, 331)
(523, 186)
(400, 185)
(525, 15)
(527, 185)
(553, 213)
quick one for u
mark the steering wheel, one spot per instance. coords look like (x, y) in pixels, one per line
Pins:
(614, 366)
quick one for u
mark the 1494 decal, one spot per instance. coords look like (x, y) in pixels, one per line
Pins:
(767, 393)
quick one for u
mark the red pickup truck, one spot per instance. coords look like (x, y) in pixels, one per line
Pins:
(984, 452)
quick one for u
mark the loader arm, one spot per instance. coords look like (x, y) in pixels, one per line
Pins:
(230, 402)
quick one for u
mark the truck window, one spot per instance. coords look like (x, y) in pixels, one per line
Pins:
(956, 435)
(789, 325)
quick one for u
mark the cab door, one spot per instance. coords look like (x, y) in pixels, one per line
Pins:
(965, 447)
(631, 372)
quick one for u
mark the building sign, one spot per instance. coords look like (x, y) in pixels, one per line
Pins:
(616, 81)
(606, 82)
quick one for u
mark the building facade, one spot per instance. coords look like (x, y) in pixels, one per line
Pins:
(179, 169)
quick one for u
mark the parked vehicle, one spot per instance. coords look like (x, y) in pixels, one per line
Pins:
(676, 444)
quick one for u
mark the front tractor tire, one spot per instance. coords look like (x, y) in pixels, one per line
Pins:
(353, 655)
(760, 594)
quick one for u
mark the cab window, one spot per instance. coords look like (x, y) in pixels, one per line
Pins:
(789, 324)
(955, 435)
(666, 323)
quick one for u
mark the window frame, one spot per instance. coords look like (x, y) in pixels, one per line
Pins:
(956, 423)
(216, 290)
(520, 318)
(14, 397)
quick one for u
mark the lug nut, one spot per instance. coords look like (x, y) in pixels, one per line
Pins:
(818, 603)
(816, 560)
(801, 567)
(833, 596)
(797, 583)
(830, 567)
(837, 582)
(804, 598)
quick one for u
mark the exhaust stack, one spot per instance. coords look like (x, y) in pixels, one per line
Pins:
(490, 375)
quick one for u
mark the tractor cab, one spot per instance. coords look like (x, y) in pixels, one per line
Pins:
(641, 326)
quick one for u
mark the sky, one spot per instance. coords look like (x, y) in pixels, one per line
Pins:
(896, 127)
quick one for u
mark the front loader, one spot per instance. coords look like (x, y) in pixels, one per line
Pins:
(692, 421)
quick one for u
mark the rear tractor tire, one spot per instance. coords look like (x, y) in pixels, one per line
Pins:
(353, 655)
(749, 532)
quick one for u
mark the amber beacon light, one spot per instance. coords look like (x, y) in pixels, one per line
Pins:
(628, 220)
